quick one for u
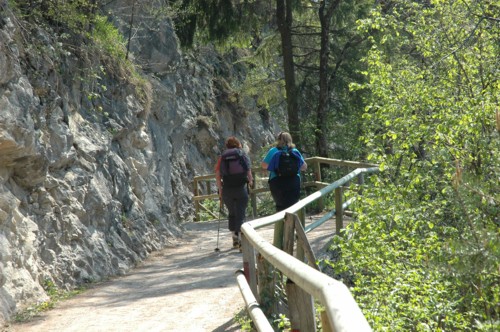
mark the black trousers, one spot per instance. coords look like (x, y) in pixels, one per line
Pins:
(236, 201)
(285, 191)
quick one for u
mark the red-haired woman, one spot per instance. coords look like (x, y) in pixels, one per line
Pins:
(233, 173)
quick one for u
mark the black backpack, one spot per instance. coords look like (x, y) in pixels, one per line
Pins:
(233, 168)
(288, 164)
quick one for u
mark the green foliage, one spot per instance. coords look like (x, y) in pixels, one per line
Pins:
(264, 82)
(424, 254)
(282, 323)
(55, 295)
(347, 46)
(244, 321)
(107, 38)
(74, 22)
(211, 210)
(75, 15)
(218, 21)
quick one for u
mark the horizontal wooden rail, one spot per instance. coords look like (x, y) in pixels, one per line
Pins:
(271, 219)
(327, 216)
(203, 197)
(317, 184)
(340, 162)
(209, 180)
(259, 319)
(312, 160)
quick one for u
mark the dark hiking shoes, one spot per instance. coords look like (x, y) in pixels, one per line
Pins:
(236, 241)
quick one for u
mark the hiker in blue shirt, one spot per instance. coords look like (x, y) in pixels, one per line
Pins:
(284, 163)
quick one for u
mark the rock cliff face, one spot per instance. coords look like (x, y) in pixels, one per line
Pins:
(96, 168)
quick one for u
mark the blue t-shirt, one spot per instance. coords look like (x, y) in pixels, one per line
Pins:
(272, 162)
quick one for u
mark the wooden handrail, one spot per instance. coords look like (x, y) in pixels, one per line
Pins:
(268, 220)
(342, 312)
(340, 162)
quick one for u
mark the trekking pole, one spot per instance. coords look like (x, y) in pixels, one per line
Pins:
(218, 226)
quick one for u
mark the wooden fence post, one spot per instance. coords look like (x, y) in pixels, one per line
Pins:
(253, 197)
(196, 202)
(300, 303)
(361, 182)
(278, 234)
(339, 212)
(249, 268)
(301, 218)
(289, 233)
(318, 178)
(301, 308)
(325, 322)
(266, 284)
(303, 243)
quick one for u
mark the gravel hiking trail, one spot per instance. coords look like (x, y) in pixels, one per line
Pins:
(186, 287)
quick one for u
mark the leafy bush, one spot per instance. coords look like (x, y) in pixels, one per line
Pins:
(424, 254)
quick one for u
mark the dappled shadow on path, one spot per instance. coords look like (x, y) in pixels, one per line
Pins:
(186, 287)
(192, 265)
(228, 327)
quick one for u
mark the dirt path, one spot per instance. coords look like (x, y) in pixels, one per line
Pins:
(186, 287)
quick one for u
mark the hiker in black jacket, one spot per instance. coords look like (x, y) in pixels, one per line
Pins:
(233, 173)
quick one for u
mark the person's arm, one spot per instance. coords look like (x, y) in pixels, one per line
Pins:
(250, 178)
(265, 162)
(303, 167)
(249, 172)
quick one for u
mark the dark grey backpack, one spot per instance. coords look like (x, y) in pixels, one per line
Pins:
(233, 168)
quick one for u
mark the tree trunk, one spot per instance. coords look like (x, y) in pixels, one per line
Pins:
(284, 19)
(325, 16)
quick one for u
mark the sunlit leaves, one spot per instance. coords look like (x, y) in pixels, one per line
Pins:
(425, 253)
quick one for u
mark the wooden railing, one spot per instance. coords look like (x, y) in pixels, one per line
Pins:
(305, 283)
